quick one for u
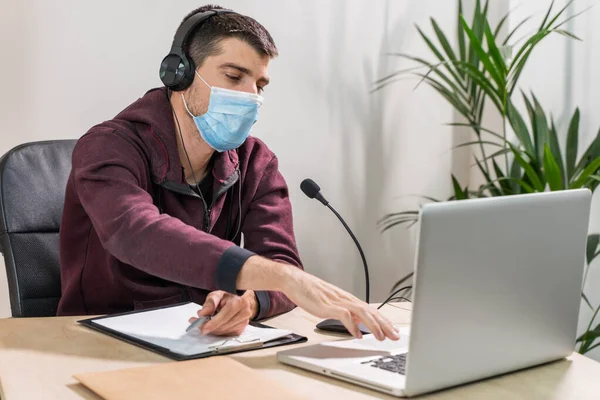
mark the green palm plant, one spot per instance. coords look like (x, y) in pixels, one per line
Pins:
(483, 71)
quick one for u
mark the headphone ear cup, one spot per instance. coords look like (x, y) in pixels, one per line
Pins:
(177, 72)
(189, 71)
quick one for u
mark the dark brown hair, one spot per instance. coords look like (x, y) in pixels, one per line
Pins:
(206, 39)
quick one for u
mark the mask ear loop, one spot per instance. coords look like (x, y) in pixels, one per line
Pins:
(183, 97)
(186, 106)
(202, 79)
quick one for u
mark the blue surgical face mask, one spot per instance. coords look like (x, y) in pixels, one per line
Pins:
(229, 119)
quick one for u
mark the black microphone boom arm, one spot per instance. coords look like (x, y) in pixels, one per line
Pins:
(360, 250)
(313, 191)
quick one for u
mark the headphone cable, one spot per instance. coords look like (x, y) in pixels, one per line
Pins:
(186, 155)
(239, 225)
(185, 151)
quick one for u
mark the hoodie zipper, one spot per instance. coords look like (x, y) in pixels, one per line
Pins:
(207, 209)
(177, 188)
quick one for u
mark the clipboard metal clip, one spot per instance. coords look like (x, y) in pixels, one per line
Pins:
(244, 343)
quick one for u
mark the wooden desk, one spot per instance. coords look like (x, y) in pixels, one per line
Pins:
(38, 357)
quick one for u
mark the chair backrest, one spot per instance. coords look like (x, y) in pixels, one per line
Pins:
(33, 179)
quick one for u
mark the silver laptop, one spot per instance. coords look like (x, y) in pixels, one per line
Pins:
(497, 289)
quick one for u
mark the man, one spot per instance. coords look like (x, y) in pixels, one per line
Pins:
(159, 196)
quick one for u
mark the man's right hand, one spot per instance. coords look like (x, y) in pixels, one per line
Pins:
(325, 300)
(316, 296)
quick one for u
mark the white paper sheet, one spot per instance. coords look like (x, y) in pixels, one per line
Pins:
(166, 328)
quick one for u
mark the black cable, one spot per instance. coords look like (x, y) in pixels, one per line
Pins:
(229, 209)
(401, 281)
(184, 149)
(239, 205)
(194, 175)
(362, 255)
(399, 298)
(393, 295)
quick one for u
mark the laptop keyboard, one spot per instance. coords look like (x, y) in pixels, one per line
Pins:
(396, 363)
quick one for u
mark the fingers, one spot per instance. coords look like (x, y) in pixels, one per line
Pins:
(388, 328)
(349, 322)
(379, 326)
(363, 314)
(232, 314)
(224, 300)
(234, 327)
(238, 329)
(211, 304)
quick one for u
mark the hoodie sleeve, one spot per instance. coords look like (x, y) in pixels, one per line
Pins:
(269, 232)
(112, 179)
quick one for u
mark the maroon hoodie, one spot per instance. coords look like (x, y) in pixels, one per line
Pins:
(134, 235)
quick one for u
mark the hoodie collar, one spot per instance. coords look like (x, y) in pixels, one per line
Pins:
(153, 116)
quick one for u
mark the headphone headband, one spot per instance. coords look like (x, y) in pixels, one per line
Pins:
(177, 70)
(183, 33)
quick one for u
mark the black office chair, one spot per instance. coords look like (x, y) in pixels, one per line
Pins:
(33, 178)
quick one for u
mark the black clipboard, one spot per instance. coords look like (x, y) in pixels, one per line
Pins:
(90, 323)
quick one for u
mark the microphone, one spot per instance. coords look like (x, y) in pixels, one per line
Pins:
(313, 191)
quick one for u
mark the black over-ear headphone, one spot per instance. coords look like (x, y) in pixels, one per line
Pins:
(176, 69)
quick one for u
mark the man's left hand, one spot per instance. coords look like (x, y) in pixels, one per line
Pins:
(231, 313)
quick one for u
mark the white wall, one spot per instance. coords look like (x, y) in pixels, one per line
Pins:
(70, 64)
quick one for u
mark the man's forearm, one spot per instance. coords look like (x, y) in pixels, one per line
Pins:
(259, 273)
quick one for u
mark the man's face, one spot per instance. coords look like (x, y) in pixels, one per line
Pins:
(237, 67)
